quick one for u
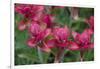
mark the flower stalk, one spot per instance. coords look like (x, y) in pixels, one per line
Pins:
(59, 56)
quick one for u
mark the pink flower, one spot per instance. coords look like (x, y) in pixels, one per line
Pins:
(35, 29)
(19, 8)
(29, 11)
(90, 21)
(39, 38)
(61, 35)
(60, 38)
(38, 33)
(23, 9)
(37, 16)
(85, 37)
(48, 19)
(83, 40)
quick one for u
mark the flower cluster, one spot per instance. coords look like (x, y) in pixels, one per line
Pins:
(45, 34)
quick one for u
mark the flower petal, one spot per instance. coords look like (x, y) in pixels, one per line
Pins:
(35, 29)
(73, 46)
(75, 35)
(31, 43)
(50, 43)
(43, 34)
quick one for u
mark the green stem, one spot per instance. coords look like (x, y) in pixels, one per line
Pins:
(81, 55)
(59, 56)
(40, 54)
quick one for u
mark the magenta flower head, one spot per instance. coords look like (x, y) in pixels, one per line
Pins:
(39, 38)
(83, 40)
(38, 32)
(85, 37)
(61, 35)
(37, 12)
(90, 21)
(25, 10)
(32, 12)
(19, 9)
(35, 29)
(48, 19)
